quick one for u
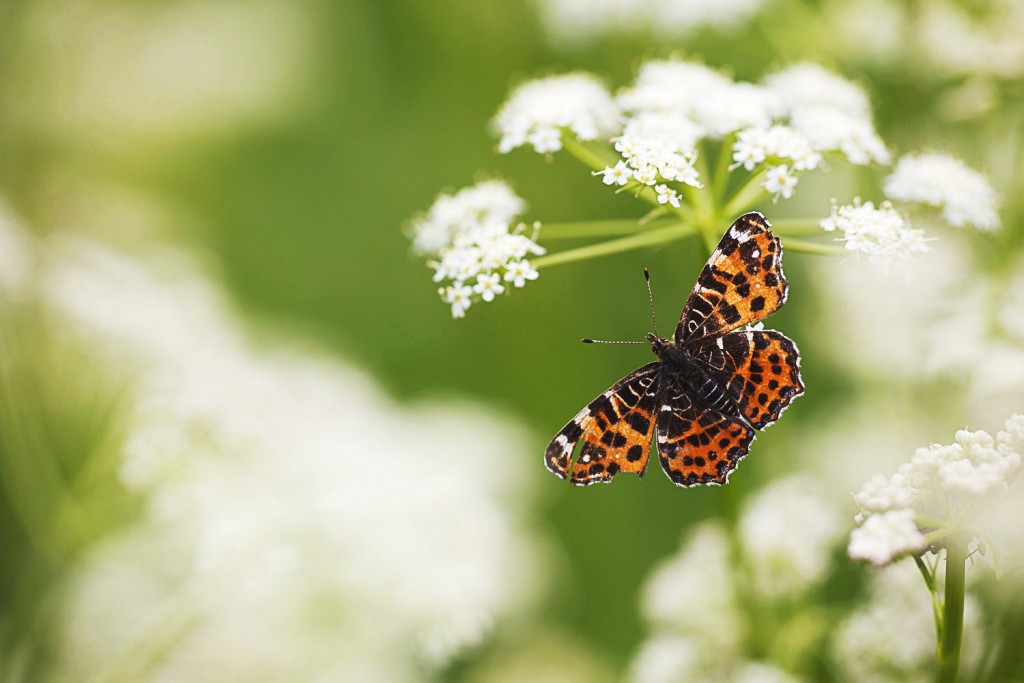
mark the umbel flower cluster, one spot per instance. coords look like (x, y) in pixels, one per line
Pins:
(470, 236)
(698, 148)
(943, 490)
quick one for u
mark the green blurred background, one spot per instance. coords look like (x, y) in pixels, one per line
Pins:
(299, 190)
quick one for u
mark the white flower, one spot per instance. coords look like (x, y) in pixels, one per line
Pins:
(887, 537)
(487, 286)
(964, 195)
(538, 111)
(749, 150)
(882, 234)
(778, 180)
(459, 296)
(616, 175)
(667, 195)
(519, 272)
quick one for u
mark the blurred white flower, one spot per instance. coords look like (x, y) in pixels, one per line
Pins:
(961, 40)
(667, 658)
(573, 22)
(538, 111)
(787, 532)
(470, 233)
(808, 85)
(712, 103)
(830, 129)
(692, 593)
(942, 488)
(300, 524)
(882, 234)
(965, 196)
(761, 672)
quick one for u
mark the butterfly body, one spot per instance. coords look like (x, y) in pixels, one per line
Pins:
(712, 386)
(686, 370)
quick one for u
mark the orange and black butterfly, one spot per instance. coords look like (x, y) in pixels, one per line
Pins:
(712, 385)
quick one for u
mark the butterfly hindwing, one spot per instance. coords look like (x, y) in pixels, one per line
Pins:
(759, 369)
(741, 283)
(697, 444)
(616, 429)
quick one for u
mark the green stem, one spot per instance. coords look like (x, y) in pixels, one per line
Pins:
(797, 226)
(746, 196)
(596, 159)
(703, 200)
(722, 169)
(953, 611)
(809, 247)
(644, 239)
(929, 578)
(583, 229)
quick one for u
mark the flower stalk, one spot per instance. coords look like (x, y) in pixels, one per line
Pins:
(952, 627)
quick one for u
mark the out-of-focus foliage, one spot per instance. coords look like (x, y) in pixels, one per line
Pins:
(167, 436)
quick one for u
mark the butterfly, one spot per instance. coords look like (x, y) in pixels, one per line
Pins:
(712, 385)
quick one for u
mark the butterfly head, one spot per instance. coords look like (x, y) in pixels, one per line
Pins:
(666, 349)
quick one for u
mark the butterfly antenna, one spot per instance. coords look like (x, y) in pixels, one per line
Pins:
(605, 341)
(650, 298)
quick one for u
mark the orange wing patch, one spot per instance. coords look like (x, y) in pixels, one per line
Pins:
(699, 446)
(760, 370)
(616, 430)
(741, 283)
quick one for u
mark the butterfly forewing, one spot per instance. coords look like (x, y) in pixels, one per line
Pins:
(741, 283)
(759, 369)
(616, 429)
(696, 444)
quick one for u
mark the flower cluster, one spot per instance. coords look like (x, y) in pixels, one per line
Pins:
(473, 245)
(785, 124)
(537, 112)
(942, 489)
(882, 234)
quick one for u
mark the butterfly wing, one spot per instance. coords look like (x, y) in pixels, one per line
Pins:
(758, 369)
(616, 430)
(697, 444)
(741, 283)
